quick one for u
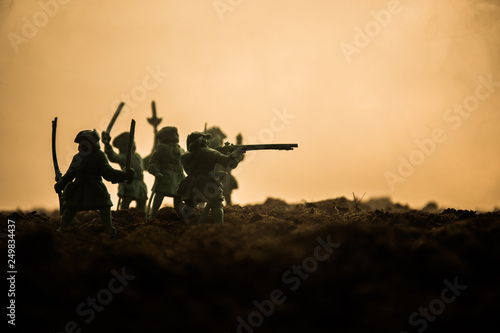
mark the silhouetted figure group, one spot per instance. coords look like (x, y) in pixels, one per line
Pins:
(208, 178)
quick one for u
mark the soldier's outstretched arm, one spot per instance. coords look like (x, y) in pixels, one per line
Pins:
(69, 175)
(110, 174)
(108, 149)
(229, 161)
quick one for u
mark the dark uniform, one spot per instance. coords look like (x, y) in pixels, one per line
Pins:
(136, 190)
(203, 183)
(87, 191)
(228, 181)
(165, 165)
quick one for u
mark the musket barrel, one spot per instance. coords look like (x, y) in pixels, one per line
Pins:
(130, 144)
(228, 148)
(115, 115)
(54, 154)
(283, 146)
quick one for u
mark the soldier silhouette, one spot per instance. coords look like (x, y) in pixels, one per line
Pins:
(87, 191)
(127, 192)
(165, 165)
(228, 181)
(203, 183)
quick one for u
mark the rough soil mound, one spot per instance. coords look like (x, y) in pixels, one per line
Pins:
(311, 267)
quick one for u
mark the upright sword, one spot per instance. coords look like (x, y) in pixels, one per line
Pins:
(56, 165)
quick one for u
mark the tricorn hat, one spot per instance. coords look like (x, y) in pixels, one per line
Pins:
(121, 141)
(88, 135)
(195, 136)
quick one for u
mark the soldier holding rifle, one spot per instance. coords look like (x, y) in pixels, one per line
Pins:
(203, 183)
(135, 190)
(229, 182)
(81, 188)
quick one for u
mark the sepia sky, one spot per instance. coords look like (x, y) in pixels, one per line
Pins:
(388, 98)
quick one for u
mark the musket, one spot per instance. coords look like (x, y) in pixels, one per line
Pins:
(115, 115)
(56, 165)
(130, 144)
(153, 190)
(228, 147)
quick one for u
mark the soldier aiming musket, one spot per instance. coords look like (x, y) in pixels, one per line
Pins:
(228, 181)
(202, 183)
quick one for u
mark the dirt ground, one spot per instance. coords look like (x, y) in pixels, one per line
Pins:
(275, 267)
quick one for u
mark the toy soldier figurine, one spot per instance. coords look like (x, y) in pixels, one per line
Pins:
(88, 192)
(228, 181)
(203, 183)
(165, 165)
(136, 190)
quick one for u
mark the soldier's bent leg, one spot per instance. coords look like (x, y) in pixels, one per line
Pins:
(125, 203)
(217, 211)
(141, 205)
(68, 215)
(106, 220)
(158, 199)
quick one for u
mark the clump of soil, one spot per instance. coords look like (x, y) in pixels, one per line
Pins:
(275, 267)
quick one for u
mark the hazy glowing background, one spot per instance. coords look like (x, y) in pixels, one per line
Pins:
(352, 120)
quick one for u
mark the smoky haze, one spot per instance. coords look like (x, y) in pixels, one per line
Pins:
(370, 90)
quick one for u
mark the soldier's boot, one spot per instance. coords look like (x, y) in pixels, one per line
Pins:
(106, 221)
(218, 212)
(68, 215)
